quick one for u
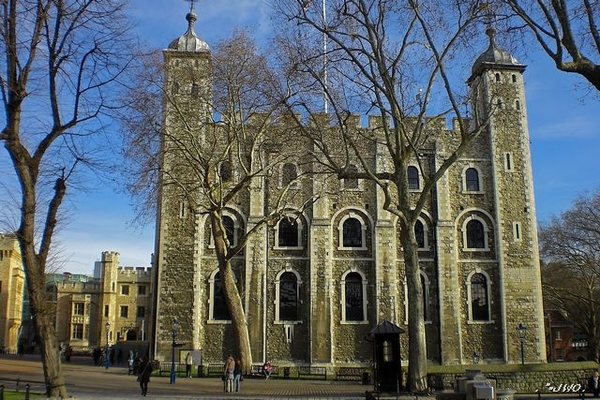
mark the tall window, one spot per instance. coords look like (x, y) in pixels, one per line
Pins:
(229, 226)
(124, 312)
(77, 331)
(141, 312)
(288, 297)
(289, 174)
(352, 233)
(479, 298)
(225, 171)
(219, 310)
(420, 234)
(353, 297)
(425, 289)
(78, 308)
(413, 178)
(475, 234)
(472, 180)
(287, 232)
(351, 183)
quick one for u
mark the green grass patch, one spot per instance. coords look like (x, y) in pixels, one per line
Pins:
(12, 395)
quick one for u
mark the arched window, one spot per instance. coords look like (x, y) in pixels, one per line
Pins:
(497, 77)
(420, 234)
(220, 312)
(514, 78)
(351, 183)
(289, 173)
(131, 335)
(288, 297)
(517, 104)
(352, 233)
(413, 178)
(288, 233)
(475, 234)
(225, 171)
(472, 180)
(479, 298)
(229, 226)
(353, 298)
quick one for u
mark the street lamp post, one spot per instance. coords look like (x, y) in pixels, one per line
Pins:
(173, 345)
(521, 334)
(106, 361)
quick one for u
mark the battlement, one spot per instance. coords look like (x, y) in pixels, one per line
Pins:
(128, 271)
(373, 122)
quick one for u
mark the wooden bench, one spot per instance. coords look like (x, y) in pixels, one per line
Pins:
(257, 371)
(312, 373)
(215, 369)
(165, 367)
(350, 373)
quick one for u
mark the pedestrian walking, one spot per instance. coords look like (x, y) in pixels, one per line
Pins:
(237, 375)
(144, 376)
(189, 362)
(228, 373)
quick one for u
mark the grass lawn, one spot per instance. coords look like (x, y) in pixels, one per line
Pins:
(12, 395)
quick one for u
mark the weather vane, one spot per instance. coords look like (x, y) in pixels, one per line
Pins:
(192, 4)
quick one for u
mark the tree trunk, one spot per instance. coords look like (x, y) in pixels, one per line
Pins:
(239, 323)
(417, 355)
(43, 319)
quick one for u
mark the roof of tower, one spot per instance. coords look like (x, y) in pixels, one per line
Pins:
(189, 41)
(494, 56)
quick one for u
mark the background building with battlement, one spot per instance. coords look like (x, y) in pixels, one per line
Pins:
(112, 307)
(314, 285)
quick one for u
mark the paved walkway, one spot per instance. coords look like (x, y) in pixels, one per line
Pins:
(86, 381)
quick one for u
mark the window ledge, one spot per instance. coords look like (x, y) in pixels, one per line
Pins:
(288, 248)
(354, 322)
(352, 248)
(218, 322)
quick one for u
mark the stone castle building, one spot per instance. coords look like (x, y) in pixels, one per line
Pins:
(117, 298)
(313, 287)
(12, 289)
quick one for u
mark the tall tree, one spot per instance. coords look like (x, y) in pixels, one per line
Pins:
(567, 31)
(570, 247)
(60, 67)
(395, 59)
(214, 157)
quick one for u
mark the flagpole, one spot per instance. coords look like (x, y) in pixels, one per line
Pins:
(325, 102)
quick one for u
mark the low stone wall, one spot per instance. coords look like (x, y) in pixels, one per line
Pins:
(526, 381)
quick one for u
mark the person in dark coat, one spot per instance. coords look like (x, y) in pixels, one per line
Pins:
(144, 377)
(594, 384)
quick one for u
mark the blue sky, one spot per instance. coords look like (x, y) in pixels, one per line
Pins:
(564, 125)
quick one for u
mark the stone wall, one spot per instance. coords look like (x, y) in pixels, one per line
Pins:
(544, 381)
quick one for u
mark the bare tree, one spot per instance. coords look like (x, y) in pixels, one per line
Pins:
(61, 62)
(394, 60)
(212, 158)
(567, 31)
(570, 246)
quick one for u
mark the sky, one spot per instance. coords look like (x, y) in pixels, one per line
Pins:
(564, 127)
